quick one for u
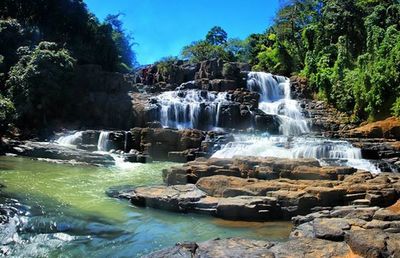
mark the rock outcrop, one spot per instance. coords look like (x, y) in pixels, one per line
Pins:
(254, 167)
(212, 74)
(368, 231)
(345, 231)
(388, 129)
(237, 247)
(56, 153)
(230, 189)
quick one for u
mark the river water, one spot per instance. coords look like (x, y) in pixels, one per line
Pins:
(62, 210)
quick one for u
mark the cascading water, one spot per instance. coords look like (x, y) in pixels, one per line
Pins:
(328, 152)
(70, 140)
(275, 100)
(191, 108)
(102, 144)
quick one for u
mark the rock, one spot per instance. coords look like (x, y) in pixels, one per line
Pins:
(330, 228)
(367, 243)
(266, 122)
(55, 152)
(311, 247)
(238, 248)
(388, 128)
(248, 208)
(174, 198)
(231, 247)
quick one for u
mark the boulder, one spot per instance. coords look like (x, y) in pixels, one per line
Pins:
(388, 128)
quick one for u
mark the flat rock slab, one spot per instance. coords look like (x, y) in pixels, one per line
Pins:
(174, 198)
(243, 248)
(47, 150)
(254, 167)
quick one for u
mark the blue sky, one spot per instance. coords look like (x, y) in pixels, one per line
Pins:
(162, 27)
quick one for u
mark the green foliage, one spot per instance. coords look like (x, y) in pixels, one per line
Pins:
(202, 50)
(348, 49)
(7, 113)
(396, 108)
(123, 42)
(216, 45)
(166, 64)
(40, 82)
(69, 24)
(216, 36)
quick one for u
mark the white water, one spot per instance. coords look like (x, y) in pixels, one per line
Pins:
(326, 151)
(275, 100)
(102, 148)
(191, 108)
(70, 140)
(102, 144)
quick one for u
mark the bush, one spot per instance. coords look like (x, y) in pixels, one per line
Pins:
(40, 84)
(7, 113)
(396, 108)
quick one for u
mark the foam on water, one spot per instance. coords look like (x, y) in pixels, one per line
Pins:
(325, 150)
(70, 140)
(191, 108)
(275, 99)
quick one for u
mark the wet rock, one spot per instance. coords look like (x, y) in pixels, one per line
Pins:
(175, 198)
(52, 151)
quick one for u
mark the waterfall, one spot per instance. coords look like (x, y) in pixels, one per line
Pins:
(191, 108)
(275, 99)
(102, 144)
(70, 140)
(328, 152)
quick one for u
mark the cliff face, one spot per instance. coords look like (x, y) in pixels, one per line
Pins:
(117, 101)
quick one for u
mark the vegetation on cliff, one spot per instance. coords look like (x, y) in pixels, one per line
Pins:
(349, 50)
(41, 43)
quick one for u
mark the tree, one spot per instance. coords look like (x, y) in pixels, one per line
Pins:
(7, 113)
(216, 36)
(123, 41)
(40, 82)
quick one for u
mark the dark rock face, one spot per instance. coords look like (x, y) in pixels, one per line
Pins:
(299, 88)
(325, 118)
(105, 100)
(215, 75)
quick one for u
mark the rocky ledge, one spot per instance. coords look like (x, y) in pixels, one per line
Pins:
(286, 190)
(56, 153)
(347, 231)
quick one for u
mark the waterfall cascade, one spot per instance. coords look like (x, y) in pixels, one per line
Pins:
(102, 144)
(275, 99)
(328, 152)
(191, 108)
(70, 140)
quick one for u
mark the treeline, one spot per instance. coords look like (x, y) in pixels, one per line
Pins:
(348, 49)
(41, 43)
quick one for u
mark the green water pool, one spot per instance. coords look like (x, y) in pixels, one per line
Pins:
(69, 214)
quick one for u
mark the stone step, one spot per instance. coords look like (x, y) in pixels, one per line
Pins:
(361, 202)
